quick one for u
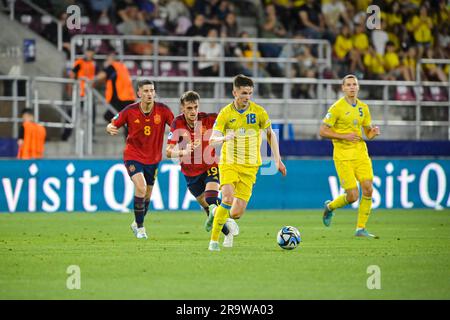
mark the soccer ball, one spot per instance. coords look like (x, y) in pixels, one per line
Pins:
(288, 237)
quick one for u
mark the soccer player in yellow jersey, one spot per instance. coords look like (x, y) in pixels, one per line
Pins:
(238, 127)
(343, 124)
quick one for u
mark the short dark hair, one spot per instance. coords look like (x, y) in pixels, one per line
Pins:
(27, 111)
(189, 96)
(142, 83)
(349, 76)
(242, 81)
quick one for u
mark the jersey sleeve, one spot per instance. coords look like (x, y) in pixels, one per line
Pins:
(173, 136)
(264, 121)
(367, 121)
(120, 119)
(331, 116)
(219, 124)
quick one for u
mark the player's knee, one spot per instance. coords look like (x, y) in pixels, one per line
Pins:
(140, 190)
(352, 197)
(227, 198)
(367, 191)
(236, 214)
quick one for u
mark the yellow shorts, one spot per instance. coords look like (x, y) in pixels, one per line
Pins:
(350, 171)
(241, 177)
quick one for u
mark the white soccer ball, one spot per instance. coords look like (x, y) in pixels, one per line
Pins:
(288, 238)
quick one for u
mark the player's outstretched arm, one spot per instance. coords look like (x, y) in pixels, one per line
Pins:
(112, 129)
(273, 142)
(371, 132)
(217, 138)
(172, 151)
(328, 133)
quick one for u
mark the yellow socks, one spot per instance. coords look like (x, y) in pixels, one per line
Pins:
(339, 202)
(220, 217)
(364, 211)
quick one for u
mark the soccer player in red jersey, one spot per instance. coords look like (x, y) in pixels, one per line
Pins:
(189, 141)
(146, 121)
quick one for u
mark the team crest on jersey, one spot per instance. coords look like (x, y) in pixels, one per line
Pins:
(157, 119)
(132, 168)
(355, 122)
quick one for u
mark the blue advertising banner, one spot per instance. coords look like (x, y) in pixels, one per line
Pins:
(104, 185)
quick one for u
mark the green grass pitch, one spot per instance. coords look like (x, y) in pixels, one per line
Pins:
(413, 254)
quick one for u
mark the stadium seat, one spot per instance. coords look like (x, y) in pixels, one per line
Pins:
(26, 19)
(132, 68)
(183, 68)
(403, 93)
(147, 68)
(166, 69)
(438, 94)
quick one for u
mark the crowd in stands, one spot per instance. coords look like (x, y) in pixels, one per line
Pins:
(408, 30)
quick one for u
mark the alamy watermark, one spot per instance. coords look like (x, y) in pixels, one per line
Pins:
(374, 280)
(374, 19)
(74, 279)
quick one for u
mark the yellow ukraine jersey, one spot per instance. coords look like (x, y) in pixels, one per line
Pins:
(345, 118)
(245, 148)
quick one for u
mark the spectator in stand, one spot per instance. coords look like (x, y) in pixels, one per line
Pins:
(335, 15)
(374, 64)
(135, 25)
(409, 64)
(230, 29)
(208, 52)
(283, 9)
(50, 32)
(421, 27)
(99, 8)
(432, 71)
(311, 20)
(345, 53)
(245, 50)
(172, 10)
(209, 9)
(392, 63)
(271, 28)
(360, 46)
(198, 29)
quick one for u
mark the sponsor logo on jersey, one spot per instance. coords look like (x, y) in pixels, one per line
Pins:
(137, 121)
(232, 120)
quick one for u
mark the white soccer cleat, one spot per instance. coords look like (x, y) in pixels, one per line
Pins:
(213, 246)
(232, 226)
(134, 228)
(228, 241)
(141, 234)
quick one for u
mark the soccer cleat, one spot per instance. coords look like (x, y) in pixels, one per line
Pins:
(232, 226)
(141, 234)
(363, 233)
(228, 241)
(327, 214)
(134, 228)
(213, 246)
(209, 221)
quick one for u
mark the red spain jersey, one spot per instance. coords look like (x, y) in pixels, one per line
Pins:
(145, 132)
(204, 156)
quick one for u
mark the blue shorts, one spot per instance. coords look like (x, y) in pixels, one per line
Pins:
(197, 184)
(149, 170)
